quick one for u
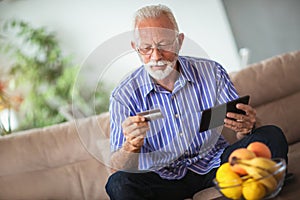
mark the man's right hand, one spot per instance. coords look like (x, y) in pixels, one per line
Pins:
(134, 130)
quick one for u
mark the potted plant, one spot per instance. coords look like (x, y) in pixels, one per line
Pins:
(8, 102)
(40, 70)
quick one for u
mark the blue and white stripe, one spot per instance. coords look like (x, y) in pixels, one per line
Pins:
(174, 144)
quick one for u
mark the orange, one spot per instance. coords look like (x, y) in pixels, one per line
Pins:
(260, 149)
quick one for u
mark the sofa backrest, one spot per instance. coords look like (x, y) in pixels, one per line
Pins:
(274, 89)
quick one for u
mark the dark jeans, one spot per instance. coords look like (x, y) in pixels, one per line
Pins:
(125, 185)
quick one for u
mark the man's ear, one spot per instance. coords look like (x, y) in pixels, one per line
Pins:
(180, 39)
(133, 45)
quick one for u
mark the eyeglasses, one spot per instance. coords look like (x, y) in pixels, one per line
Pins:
(161, 47)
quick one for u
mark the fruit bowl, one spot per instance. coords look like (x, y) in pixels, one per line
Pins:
(260, 183)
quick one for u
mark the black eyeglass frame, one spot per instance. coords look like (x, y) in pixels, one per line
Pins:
(161, 48)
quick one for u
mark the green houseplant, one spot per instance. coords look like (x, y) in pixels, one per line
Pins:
(43, 73)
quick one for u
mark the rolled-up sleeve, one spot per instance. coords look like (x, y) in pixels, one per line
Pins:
(118, 113)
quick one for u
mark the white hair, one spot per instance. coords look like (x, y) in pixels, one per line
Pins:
(154, 11)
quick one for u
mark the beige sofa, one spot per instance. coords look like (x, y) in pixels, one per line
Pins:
(68, 161)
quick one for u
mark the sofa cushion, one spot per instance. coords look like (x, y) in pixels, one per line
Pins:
(39, 149)
(209, 193)
(274, 88)
(56, 162)
(270, 79)
(77, 181)
(284, 113)
(94, 133)
(56, 145)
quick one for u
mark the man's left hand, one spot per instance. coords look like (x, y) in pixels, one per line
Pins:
(241, 124)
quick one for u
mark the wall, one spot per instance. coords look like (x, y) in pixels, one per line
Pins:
(85, 26)
(266, 28)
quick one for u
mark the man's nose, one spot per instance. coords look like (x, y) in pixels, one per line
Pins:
(156, 54)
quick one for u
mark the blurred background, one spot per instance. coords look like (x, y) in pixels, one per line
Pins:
(60, 59)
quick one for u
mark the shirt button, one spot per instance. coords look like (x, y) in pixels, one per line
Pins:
(176, 115)
(200, 154)
(181, 134)
(186, 152)
(172, 97)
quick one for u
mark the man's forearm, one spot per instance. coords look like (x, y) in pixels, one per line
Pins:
(125, 158)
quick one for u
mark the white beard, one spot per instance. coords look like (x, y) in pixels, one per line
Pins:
(159, 74)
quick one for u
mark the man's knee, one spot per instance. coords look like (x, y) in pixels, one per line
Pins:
(126, 185)
(114, 184)
(272, 133)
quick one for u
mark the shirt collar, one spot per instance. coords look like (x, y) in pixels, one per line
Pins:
(185, 70)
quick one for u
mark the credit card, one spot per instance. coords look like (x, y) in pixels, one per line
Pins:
(151, 114)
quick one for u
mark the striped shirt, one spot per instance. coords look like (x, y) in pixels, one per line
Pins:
(174, 144)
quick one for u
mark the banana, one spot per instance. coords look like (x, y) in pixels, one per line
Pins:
(262, 163)
(260, 170)
(266, 179)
